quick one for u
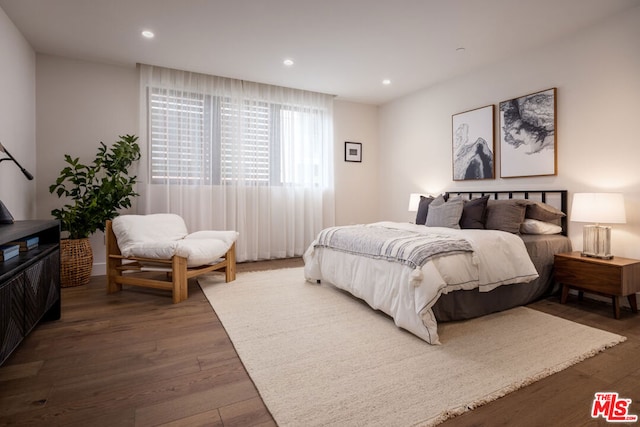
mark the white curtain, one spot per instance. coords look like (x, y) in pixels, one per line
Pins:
(228, 154)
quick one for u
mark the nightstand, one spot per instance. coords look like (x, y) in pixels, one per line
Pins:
(614, 278)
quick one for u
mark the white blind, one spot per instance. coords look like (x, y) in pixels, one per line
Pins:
(180, 137)
(245, 142)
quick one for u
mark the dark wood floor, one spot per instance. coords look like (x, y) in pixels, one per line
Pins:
(135, 359)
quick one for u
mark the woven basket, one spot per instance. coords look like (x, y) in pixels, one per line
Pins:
(76, 261)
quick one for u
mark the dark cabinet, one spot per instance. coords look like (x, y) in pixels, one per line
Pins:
(29, 283)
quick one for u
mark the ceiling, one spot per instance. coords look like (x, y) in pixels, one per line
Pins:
(342, 47)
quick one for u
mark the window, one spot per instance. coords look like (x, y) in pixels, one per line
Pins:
(245, 142)
(205, 139)
(180, 135)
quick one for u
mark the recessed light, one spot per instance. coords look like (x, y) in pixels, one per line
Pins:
(288, 62)
(148, 34)
(386, 82)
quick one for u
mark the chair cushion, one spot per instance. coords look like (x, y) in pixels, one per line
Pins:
(201, 251)
(136, 229)
(155, 250)
(161, 236)
(228, 237)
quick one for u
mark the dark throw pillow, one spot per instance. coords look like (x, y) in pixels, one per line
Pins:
(505, 215)
(473, 213)
(423, 209)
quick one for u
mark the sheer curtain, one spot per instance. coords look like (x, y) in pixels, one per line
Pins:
(234, 155)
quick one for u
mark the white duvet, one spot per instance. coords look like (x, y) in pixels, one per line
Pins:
(407, 294)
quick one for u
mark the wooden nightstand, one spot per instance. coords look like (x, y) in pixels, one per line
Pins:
(615, 278)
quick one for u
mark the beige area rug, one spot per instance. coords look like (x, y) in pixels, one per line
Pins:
(319, 357)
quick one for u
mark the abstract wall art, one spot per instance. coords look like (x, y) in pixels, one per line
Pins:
(473, 144)
(528, 145)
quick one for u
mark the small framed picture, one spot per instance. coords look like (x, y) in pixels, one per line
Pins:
(352, 151)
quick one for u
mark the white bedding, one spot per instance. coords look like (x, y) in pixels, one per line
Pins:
(407, 294)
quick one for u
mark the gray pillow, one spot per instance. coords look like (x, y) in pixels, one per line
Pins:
(439, 200)
(543, 212)
(505, 215)
(446, 214)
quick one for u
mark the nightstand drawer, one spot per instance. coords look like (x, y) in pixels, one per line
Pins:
(615, 278)
(601, 278)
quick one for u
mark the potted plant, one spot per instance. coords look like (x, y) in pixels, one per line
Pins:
(96, 191)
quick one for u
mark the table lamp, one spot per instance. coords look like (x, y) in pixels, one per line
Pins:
(607, 208)
(414, 202)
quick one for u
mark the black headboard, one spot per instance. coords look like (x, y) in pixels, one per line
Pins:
(555, 198)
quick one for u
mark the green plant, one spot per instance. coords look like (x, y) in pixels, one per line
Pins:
(97, 190)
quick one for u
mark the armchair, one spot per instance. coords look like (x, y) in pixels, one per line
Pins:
(160, 242)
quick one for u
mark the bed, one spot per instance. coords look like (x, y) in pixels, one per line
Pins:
(475, 253)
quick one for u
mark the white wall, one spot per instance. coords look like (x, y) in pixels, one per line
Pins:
(597, 76)
(80, 104)
(356, 183)
(17, 120)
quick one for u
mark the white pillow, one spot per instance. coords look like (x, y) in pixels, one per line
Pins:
(227, 236)
(206, 246)
(533, 226)
(153, 232)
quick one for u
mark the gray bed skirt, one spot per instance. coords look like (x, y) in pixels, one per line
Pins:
(460, 305)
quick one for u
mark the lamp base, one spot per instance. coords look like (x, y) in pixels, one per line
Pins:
(596, 241)
(596, 256)
(5, 215)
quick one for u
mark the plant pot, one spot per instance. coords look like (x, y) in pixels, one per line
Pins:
(76, 262)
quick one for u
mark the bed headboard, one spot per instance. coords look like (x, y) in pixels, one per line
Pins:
(555, 198)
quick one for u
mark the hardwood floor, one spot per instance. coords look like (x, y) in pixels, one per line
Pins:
(135, 359)
(565, 398)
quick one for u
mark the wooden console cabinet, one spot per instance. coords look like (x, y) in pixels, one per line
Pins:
(614, 278)
(29, 283)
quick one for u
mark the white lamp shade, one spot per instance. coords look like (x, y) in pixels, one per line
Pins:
(414, 202)
(599, 208)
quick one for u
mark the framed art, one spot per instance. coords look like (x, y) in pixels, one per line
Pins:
(352, 151)
(473, 144)
(528, 145)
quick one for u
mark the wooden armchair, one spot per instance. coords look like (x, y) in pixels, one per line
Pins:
(172, 259)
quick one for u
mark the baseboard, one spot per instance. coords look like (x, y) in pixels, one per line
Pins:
(99, 269)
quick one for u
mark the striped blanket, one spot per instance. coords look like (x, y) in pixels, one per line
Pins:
(379, 242)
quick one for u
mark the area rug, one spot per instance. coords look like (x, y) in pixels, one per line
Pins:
(320, 357)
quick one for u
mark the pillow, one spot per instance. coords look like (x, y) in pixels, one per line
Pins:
(533, 226)
(423, 208)
(473, 213)
(149, 236)
(521, 202)
(131, 230)
(201, 251)
(439, 200)
(446, 214)
(505, 215)
(543, 212)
